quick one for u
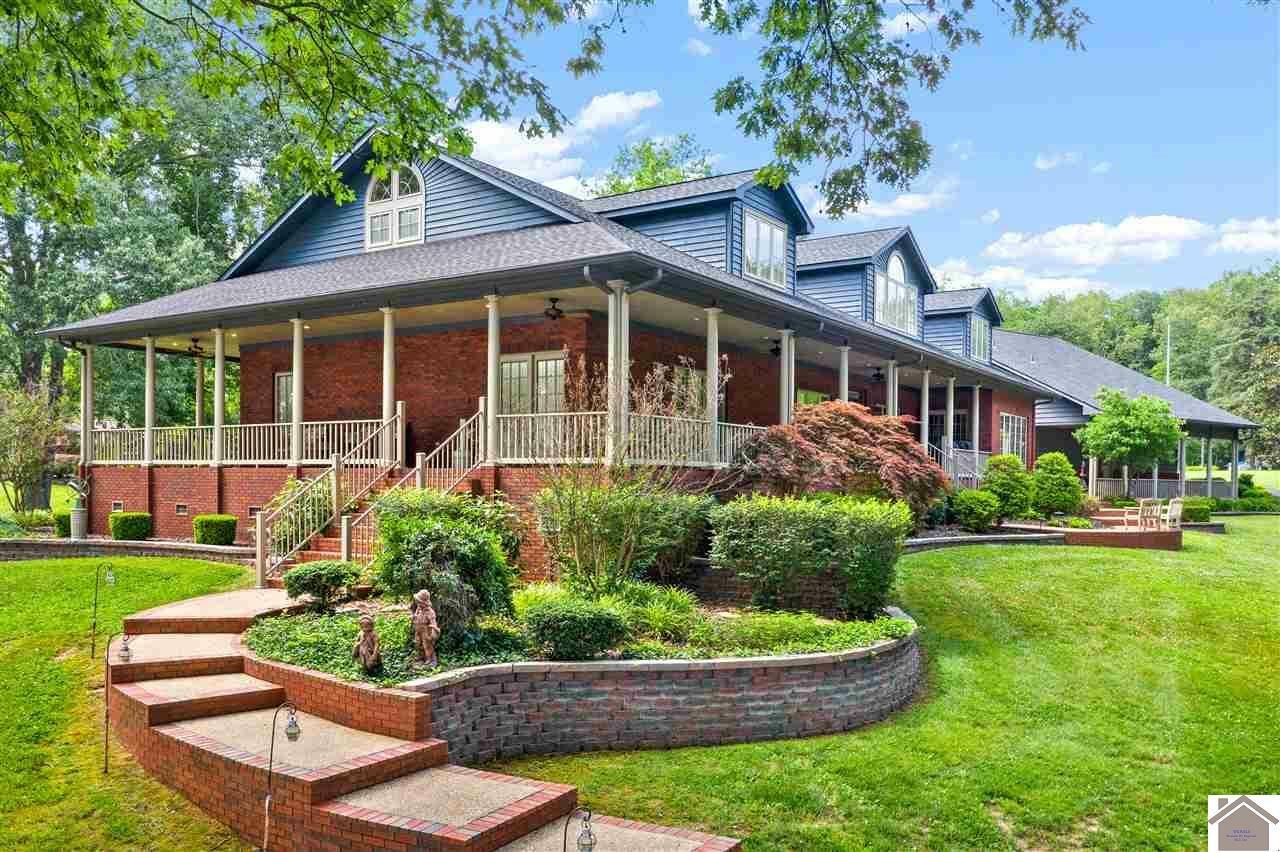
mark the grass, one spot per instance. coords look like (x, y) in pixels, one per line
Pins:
(1269, 479)
(1076, 696)
(53, 794)
(60, 498)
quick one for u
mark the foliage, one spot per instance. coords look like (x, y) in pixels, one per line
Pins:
(653, 162)
(1116, 502)
(1055, 486)
(10, 528)
(755, 633)
(975, 509)
(1090, 506)
(1006, 478)
(34, 519)
(312, 501)
(323, 580)
(130, 526)
(1138, 431)
(1260, 402)
(573, 628)
(1246, 504)
(651, 611)
(438, 553)
(1197, 509)
(1245, 479)
(771, 540)
(937, 514)
(62, 523)
(843, 447)
(214, 529)
(400, 511)
(29, 428)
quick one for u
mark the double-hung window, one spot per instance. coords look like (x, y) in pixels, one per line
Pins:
(979, 338)
(394, 210)
(284, 397)
(1013, 435)
(531, 383)
(764, 249)
(897, 299)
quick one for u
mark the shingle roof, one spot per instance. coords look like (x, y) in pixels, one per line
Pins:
(855, 246)
(954, 300)
(1079, 374)
(671, 192)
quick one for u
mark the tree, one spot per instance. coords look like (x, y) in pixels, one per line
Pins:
(1139, 431)
(29, 428)
(1262, 406)
(654, 162)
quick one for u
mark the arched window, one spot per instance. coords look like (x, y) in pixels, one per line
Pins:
(393, 209)
(897, 299)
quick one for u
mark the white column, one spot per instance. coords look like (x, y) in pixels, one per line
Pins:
(219, 392)
(149, 402)
(891, 389)
(199, 391)
(86, 405)
(713, 384)
(1124, 477)
(1206, 456)
(295, 431)
(844, 373)
(791, 376)
(1155, 480)
(975, 419)
(493, 357)
(624, 364)
(924, 408)
(1182, 467)
(389, 382)
(949, 428)
(1093, 476)
(1235, 465)
(786, 376)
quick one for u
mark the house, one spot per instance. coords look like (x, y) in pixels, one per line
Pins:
(1242, 824)
(1075, 377)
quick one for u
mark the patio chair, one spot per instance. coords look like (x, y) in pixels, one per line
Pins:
(1171, 516)
(1146, 515)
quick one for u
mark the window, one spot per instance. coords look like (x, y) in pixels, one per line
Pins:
(897, 300)
(959, 428)
(117, 505)
(531, 383)
(979, 338)
(811, 397)
(180, 508)
(284, 398)
(764, 250)
(1013, 435)
(394, 209)
(693, 385)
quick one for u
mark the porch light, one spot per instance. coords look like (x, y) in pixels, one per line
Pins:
(292, 729)
(776, 351)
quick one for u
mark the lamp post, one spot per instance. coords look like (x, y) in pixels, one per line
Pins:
(98, 577)
(586, 837)
(291, 731)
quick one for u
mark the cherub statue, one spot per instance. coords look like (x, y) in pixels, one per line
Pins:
(367, 651)
(425, 629)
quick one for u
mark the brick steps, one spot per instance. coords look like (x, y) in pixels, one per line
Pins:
(614, 833)
(178, 699)
(155, 656)
(225, 612)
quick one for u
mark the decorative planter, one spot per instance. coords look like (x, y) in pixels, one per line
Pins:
(79, 523)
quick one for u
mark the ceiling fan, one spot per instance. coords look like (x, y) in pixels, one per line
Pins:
(776, 349)
(553, 312)
(195, 348)
(877, 378)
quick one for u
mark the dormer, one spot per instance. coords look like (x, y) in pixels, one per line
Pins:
(878, 276)
(961, 321)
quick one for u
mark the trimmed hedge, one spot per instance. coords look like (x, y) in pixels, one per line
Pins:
(62, 523)
(130, 526)
(214, 529)
(975, 509)
(1197, 509)
(323, 580)
(572, 628)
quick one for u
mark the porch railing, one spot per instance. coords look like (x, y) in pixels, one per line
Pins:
(1141, 487)
(658, 439)
(242, 443)
(182, 444)
(552, 437)
(733, 436)
(118, 446)
(256, 443)
(963, 467)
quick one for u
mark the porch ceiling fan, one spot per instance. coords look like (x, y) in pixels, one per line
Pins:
(877, 378)
(195, 348)
(553, 312)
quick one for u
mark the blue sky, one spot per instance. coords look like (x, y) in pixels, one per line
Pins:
(1148, 160)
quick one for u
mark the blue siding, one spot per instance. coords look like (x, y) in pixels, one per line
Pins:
(735, 238)
(458, 205)
(947, 332)
(770, 203)
(700, 231)
(1059, 412)
(844, 289)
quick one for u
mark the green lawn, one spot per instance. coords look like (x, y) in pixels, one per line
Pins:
(1269, 479)
(60, 498)
(53, 794)
(1076, 697)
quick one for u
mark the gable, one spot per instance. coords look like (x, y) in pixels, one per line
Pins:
(458, 204)
(700, 230)
(844, 288)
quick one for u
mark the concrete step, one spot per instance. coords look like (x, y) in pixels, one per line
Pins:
(448, 807)
(328, 760)
(614, 833)
(154, 656)
(177, 699)
(225, 612)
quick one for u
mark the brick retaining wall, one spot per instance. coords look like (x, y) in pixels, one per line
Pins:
(65, 548)
(500, 711)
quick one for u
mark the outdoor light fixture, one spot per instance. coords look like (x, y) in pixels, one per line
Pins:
(125, 654)
(292, 731)
(553, 313)
(98, 577)
(586, 837)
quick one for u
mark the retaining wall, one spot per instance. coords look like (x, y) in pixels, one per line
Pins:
(66, 548)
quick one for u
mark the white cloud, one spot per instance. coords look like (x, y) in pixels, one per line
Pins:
(613, 109)
(991, 216)
(962, 148)
(1047, 161)
(697, 47)
(1101, 168)
(573, 184)
(906, 204)
(1141, 238)
(957, 274)
(906, 23)
(1248, 236)
(695, 12)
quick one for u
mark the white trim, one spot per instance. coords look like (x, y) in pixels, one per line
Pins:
(393, 207)
(881, 309)
(786, 235)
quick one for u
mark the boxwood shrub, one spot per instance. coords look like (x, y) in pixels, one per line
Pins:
(1196, 509)
(975, 509)
(1007, 478)
(214, 529)
(323, 580)
(129, 526)
(574, 628)
(422, 548)
(62, 523)
(1055, 486)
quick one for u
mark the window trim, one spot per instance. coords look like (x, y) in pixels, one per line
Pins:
(1010, 426)
(978, 321)
(275, 396)
(766, 219)
(393, 206)
(882, 312)
(532, 359)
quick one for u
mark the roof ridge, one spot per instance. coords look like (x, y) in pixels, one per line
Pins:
(812, 239)
(672, 183)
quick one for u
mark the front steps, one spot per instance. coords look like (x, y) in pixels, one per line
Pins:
(186, 709)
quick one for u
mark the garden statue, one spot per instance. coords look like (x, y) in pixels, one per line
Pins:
(367, 650)
(425, 629)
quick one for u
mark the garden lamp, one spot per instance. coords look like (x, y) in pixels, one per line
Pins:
(586, 837)
(98, 577)
(124, 654)
(292, 731)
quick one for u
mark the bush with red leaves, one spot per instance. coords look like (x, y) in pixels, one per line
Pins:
(843, 447)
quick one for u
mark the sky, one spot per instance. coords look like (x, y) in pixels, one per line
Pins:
(1148, 160)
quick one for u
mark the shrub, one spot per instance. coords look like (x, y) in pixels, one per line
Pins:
(680, 533)
(1055, 486)
(10, 528)
(1008, 480)
(1196, 509)
(1080, 523)
(770, 540)
(976, 510)
(1090, 506)
(1245, 480)
(1120, 502)
(33, 519)
(129, 526)
(751, 634)
(214, 529)
(523, 599)
(294, 526)
(62, 523)
(1253, 491)
(323, 580)
(653, 611)
(401, 511)
(574, 628)
(425, 547)
(937, 514)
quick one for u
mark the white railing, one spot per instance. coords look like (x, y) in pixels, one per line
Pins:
(658, 439)
(242, 443)
(1220, 488)
(118, 446)
(733, 436)
(256, 443)
(322, 438)
(1141, 487)
(182, 444)
(552, 437)
(1109, 487)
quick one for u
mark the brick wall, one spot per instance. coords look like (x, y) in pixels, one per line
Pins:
(130, 485)
(560, 708)
(997, 402)
(195, 487)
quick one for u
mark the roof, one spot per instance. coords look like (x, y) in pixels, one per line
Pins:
(956, 301)
(860, 245)
(1078, 375)
(694, 188)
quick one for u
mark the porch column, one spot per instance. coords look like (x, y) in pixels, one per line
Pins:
(295, 431)
(389, 381)
(713, 384)
(786, 376)
(86, 404)
(1093, 476)
(199, 391)
(493, 357)
(949, 428)
(891, 389)
(1235, 465)
(975, 418)
(219, 392)
(1124, 476)
(844, 373)
(149, 402)
(1182, 467)
(1206, 457)
(1155, 480)
(924, 408)
(619, 370)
